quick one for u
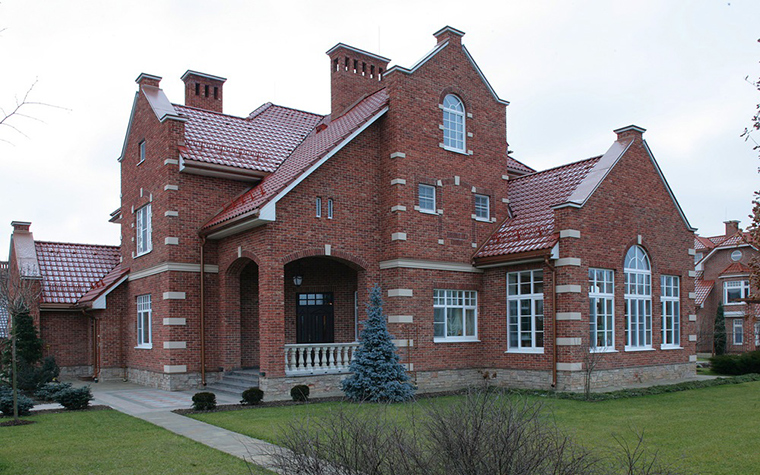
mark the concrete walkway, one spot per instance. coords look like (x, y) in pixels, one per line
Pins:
(155, 406)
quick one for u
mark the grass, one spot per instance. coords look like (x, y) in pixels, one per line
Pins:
(712, 430)
(106, 442)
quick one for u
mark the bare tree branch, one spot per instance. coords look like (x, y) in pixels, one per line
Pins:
(17, 112)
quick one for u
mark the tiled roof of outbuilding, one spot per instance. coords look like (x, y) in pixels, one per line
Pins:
(701, 243)
(531, 197)
(260, 141)
(315, 146)
(736, 268)
(70, 270)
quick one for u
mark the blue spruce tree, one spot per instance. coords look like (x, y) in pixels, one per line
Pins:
(377, 373)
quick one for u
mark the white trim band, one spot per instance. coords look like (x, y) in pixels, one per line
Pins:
(400, 293)
(568, 342)
(568, 289)
(569, 366)
(403, 343)
(175, 321)
(400, 318)
(172, 267)
(568, 261)
(429, 265)
(175, 368)
(174, 296)
(175, 345)
(564, 316)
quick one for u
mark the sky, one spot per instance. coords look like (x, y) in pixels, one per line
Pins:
(573, 72)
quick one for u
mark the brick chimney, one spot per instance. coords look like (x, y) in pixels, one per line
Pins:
(447, 33)
(203, 91)
(354, 74)
(22, 226)
(732, 227)
(631, 132)
(145, 79)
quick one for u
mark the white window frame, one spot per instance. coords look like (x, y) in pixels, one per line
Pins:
(454, 115)
(482, 208)
(329, 208)
(426, 199)
(319, 207)
(738, 337)
(446, 304)
(141, 152)
(670, 298)
(742, 285)
(638, 300)
(143, 230)
(601, 295)
(144, 322)
(531, 316)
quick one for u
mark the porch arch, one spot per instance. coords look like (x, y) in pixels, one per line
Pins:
(355, 262)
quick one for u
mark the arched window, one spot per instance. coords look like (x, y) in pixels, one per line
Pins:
(453, 123)
(638, 299)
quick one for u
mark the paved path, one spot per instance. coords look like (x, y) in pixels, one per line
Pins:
(155, 406)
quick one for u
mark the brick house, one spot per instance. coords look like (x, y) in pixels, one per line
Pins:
(723, 276)
(251, 242)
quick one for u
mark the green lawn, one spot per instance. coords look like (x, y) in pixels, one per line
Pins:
(712, 431)
(105, 442)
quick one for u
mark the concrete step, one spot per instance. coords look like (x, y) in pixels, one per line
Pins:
(233, 383)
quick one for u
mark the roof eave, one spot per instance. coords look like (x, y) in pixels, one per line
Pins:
(195, 167)
(517, 258)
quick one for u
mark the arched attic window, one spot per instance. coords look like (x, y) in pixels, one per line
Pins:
(638, 299)
(453, 123)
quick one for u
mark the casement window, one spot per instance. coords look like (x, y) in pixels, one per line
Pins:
(144, 322)
(525, 311)
(670, 297)
(455, 315)
(601, 296)
(426, 198)
(482, 208)
(329, 208)
(638, 299)
(738, 331)
(319, 207)
(141, 148)
(734, 290)
(453, 123)
(143, 238)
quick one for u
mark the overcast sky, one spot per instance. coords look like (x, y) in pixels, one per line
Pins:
(573, 72)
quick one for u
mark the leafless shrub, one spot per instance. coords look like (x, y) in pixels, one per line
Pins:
(633, 458)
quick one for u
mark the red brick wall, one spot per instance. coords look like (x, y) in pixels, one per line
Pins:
(67, 337)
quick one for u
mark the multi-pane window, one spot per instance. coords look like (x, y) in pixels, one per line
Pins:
(482, 207)
(638, 299)
(525, 310)
(142, 152)
(143, 239)
(738, 331)
(143, 321)
(329, 208)
(455, 315)
(319, 207)
(671, 310)
(757, 335)
(426, 197)
(734, 290)
(601, 296)
(453, 123)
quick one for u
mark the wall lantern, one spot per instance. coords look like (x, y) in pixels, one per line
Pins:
(298, 280)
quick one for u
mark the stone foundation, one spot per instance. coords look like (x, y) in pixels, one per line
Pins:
(621, 378)
(75, 372)
(321, 385)
(169, 382)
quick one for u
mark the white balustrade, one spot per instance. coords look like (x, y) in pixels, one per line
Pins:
(319, 358)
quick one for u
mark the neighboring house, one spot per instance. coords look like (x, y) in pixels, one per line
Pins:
(723, 276)
(251, 242)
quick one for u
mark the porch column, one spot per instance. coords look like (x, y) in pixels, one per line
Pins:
(272, 319)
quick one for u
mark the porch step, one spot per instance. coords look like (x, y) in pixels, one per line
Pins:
(233, 383)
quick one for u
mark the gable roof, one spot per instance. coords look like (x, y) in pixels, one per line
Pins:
(113, 279)
(519, 167)
(259, 142)
(736, 268)
(703, 289)
(530, 226)
(70, 270)
(315, 148)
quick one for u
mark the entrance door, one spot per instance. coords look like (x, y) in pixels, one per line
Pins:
(314, 323)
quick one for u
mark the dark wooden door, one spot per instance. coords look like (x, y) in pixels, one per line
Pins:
(314, 318)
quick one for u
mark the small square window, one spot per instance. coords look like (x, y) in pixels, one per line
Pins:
(142, 152)
(482, 207)
(426, 195)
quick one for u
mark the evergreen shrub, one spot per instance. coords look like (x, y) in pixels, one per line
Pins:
(48, 391)
(204, 401)
(74, 399)
(300, 393)
(744, 363)
(252, 396)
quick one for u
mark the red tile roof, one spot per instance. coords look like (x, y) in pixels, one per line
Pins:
(260, 141)
(513, 164)
(531, 197)
(315, 146)
(736, 268)
(701, 243)
(70, 270)
(103, 284)
(703, 289)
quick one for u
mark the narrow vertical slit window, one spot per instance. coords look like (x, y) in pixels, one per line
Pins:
(601, 296)
(319, 207)
(329, 208)
(671, 311)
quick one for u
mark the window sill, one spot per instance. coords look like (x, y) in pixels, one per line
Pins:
(144, 347)
(671, 347)
(426, 211)
(603, 350)
(483, 220)
(638, 348)
(456, 150)
(142, 254)
(456, 340)
(533, 351)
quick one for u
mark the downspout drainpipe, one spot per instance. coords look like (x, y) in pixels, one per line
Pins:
(203, 313)
(554, 319)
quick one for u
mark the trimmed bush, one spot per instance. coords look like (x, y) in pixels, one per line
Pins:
(25, 404)
(300, 393)
(49, 391)
(204, 401)
(252, 396)
(74, 399)
(744, 363)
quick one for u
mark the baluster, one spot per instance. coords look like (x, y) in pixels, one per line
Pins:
(331, 357)
(287, 359)
(302, 358)
(293, 360)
